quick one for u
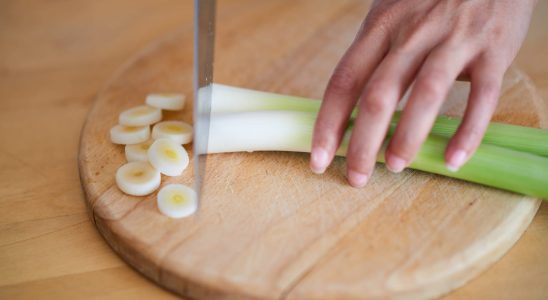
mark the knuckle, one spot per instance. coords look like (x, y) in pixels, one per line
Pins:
(496, 60)
(374, 103)
(490, 91)
(497, 33)
(411, 38)
(324, 140)
(471, 24)
(491, 34)
(431, 88)
(407, 42)
(380, 18)
(455, 41)
(326, 129)
(491, 97)
(343, 81)
(487, 82)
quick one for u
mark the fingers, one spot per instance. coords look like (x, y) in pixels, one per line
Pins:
(376, 107)
(341, 96)
(485, 89)
(432, 84)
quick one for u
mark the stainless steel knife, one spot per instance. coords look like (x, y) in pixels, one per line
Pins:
(204, 38)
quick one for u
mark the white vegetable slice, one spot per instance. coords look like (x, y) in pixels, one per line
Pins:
(179, 132)
(138, 152)
(137, 178)
(125, 135)
(168, 157)
(140, 116)
(177, 200)
(166, 101)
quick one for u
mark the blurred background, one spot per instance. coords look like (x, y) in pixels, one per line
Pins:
(54, 58)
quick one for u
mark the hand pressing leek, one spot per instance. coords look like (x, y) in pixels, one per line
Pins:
(246, 120)
(229, 99)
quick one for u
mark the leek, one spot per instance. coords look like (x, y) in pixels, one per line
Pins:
(228, 99)
(265, 130)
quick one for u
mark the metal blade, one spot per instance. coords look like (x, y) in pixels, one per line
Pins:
(204, 38)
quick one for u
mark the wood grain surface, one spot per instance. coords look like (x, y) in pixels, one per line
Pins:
(54, 58)
(283, 231)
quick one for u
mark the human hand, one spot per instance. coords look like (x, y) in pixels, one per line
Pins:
(430, 43)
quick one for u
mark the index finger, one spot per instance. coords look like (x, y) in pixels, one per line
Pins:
(342, 93)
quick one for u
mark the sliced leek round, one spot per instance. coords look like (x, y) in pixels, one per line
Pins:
(168, 157)
(177, 200)
(127, 135)
(137, 178)
(138, 152)
(179, 132)
(140, 116)
(166, 101)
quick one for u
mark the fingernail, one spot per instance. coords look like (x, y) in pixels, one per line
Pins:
(456, 160)
(357, 179)
(395, 164)
(319, 160)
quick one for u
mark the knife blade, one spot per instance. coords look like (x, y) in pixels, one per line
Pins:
(204, 38)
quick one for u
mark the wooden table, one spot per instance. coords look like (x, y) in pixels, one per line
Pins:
(54, 58)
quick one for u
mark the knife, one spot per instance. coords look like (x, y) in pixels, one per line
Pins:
(204, 38)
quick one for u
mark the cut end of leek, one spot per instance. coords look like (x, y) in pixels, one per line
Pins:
(166, 101)
(137, 178)
(168, 157)
(140, 116)
(177, 131)
(127, 135)
(138, 152)
(177, 201)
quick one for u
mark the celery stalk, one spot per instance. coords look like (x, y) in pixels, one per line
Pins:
(228, 99)
(494, 166)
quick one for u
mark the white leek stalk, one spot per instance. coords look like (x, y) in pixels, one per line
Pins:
(229, 99)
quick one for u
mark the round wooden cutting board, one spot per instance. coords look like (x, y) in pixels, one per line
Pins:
(268, 227)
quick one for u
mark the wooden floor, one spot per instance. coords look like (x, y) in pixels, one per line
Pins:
(54, 58)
